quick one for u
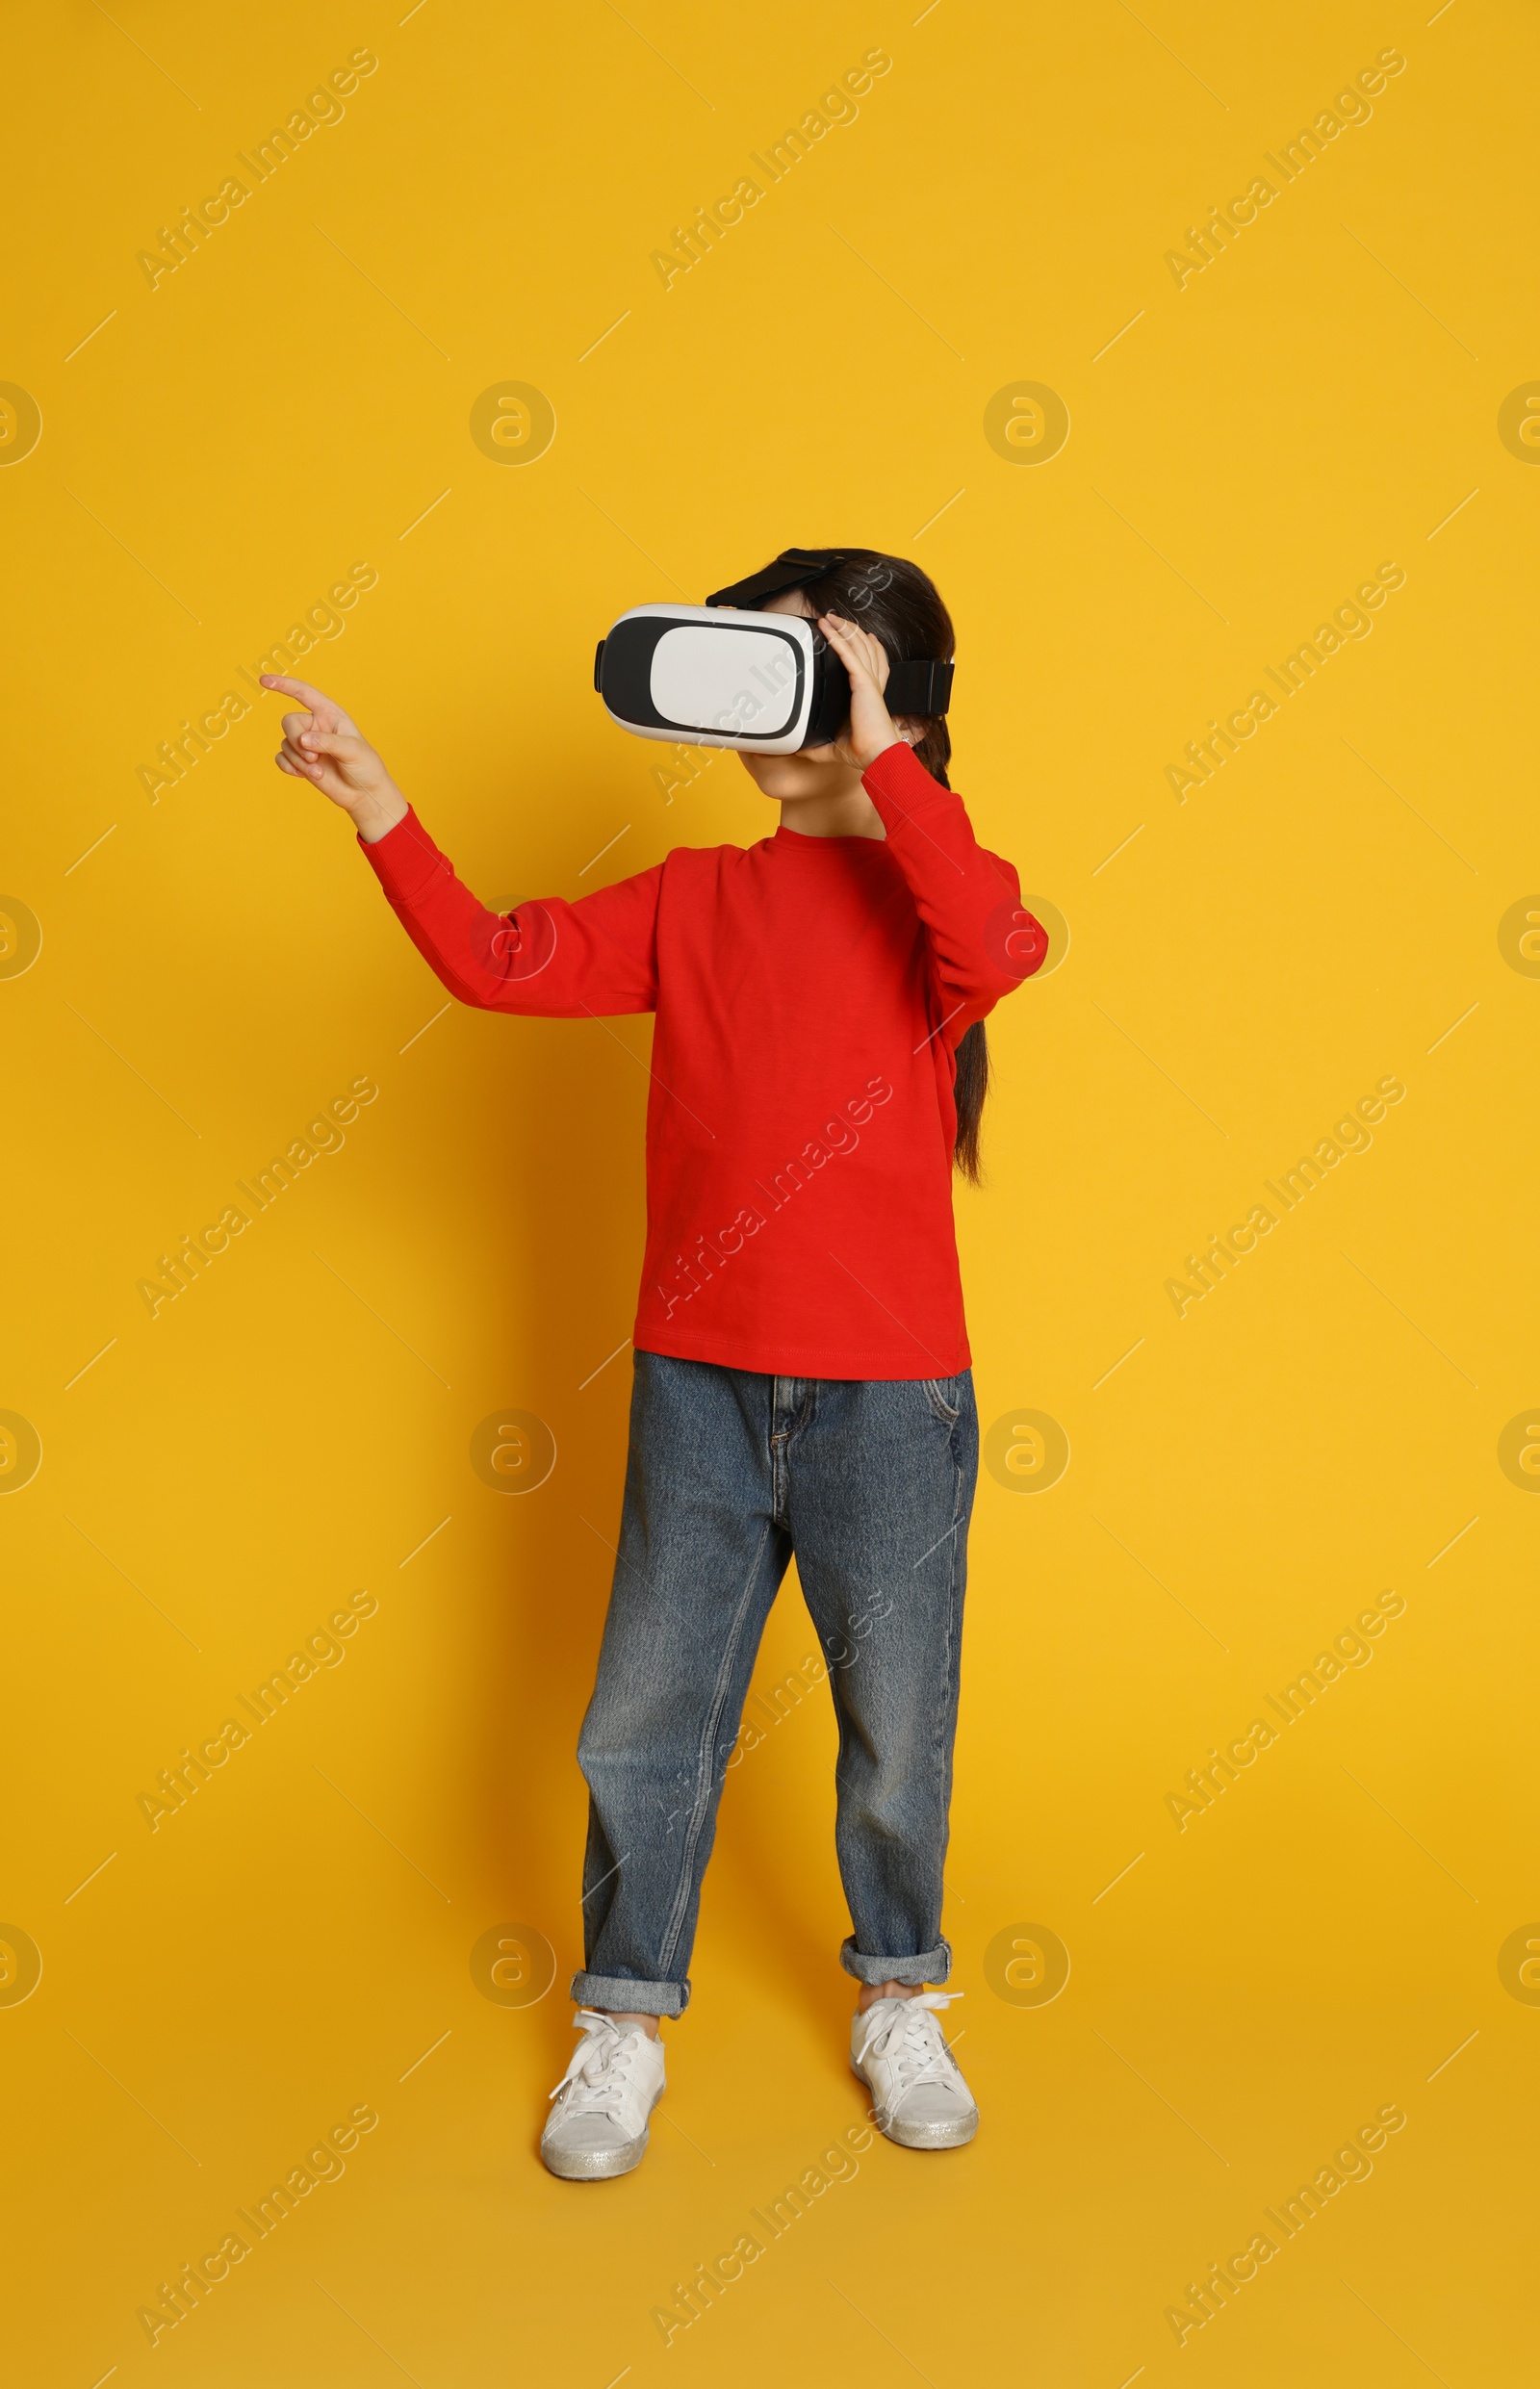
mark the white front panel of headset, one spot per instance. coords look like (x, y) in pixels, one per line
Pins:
(737, 684)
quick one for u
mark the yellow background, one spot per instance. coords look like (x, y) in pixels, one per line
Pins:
(214, 457)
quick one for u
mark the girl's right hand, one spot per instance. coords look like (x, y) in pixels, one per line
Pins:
(323, 746)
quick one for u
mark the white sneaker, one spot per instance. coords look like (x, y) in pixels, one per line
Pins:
(597, 2128)
(919, 2096)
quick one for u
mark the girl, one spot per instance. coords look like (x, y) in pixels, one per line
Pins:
(801, 1367)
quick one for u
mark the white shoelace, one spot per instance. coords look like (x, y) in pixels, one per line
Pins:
(907, 2035)
(597, 2078)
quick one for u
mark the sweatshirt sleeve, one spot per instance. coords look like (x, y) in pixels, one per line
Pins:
(597, 955)
(983, 940)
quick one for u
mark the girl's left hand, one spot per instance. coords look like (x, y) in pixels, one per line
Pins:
(872, 728)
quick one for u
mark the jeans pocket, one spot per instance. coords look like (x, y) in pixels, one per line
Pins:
(939, 1392)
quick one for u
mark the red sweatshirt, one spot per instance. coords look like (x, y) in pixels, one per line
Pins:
(810, 994)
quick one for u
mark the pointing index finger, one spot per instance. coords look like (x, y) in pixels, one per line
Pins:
(328, 714)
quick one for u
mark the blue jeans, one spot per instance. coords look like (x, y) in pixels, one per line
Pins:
(871, 1485)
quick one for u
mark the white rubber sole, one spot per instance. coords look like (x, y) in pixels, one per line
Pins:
(921, 2135)
(597, 2165)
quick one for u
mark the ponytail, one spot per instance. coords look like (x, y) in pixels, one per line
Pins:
(972, 1083)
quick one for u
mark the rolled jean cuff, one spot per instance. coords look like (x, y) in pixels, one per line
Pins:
(931, 1965)
(623, 1997)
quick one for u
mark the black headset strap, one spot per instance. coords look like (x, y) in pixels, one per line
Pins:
(792, 569)
(921, 689)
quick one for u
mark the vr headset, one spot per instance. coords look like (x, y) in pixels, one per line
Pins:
(765, 684)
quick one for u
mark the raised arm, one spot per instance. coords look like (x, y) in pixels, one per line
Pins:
(596, 956)
(983, 940)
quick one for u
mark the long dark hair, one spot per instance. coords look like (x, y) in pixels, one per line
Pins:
(902, 606)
